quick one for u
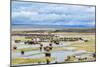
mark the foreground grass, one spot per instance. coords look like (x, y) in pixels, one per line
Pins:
(37, 48)
(88, 46)
(27, 49)
(30, 60)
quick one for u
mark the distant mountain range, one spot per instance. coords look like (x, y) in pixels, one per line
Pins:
(83, 30)
(54, 28)
(50, 26)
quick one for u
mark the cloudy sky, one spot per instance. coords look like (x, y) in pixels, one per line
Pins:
(32, 13)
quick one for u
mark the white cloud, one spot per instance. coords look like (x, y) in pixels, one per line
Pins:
(53, 14)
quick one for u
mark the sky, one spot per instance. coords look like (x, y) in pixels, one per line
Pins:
(47, 14)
